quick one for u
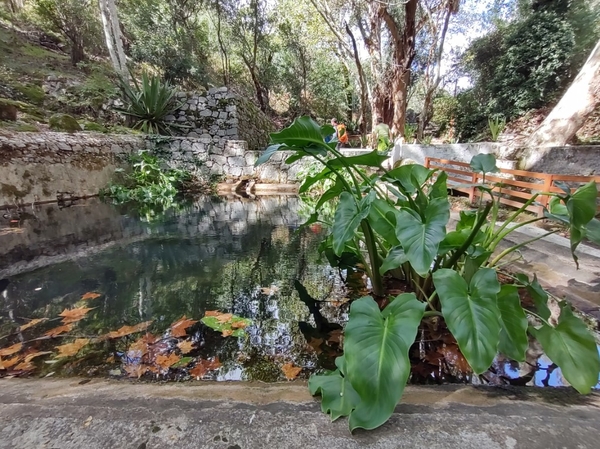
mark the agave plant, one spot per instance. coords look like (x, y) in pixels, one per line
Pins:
(149, 103)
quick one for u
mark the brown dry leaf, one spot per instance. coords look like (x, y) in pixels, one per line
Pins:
(316, 343)
(203, 366)
(139, 345)
(166, 361)
(90, 295)
(178, 329)
(9, 363)
(74, 315)
(33, 355)
(227, 332)
(59, 330)
(87, 422)
(269, 290)
(24, 366)
(212, 313)
(238, 325)
(128, 330)
(11, 349)
(185, 346)
(455, 358)
(32, 323)
(290, 371)
(72, 348)
(224, 317)
(135, 370)
(335, 336)
(110, 359)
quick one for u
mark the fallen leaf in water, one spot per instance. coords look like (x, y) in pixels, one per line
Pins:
(74, 315)
(110, 359)
(59, 330)
(183, 362)
(72, 348)
(31, 323)
(9, 363)
(316, 343)
(226, 332)
(239, 324)
(185, 346)
(11, 349)
(29, 357)
(24, 366)
(290, 371)
(212, 313)
(178, 329)
(220, 317)
(136, 370)
(269, 290)
(203, 366)
(166, 361)
(335, 336)
(127, 330)
(90, 295)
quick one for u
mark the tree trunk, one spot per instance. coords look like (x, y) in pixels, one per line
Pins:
(571, 112)
(77, 51)
(16, 5)
(112, 34)
(364, 93)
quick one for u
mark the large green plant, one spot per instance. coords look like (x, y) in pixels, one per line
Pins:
(395, 223)
(149, 103)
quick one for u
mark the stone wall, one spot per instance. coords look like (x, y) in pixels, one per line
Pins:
(220, 114)
(569, 160)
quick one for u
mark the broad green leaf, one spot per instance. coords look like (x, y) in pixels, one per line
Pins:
(338, 398)
(376, 351)
(484, 163)
(311, 180)
(270, 151)
(592, 231)
(539, 295)
(453, 240)
(573, 348)
(303, 132)
(513, 335)
(330, 194)
(421, 238)
(467, 219)
(471, 313)
(439, 189)
(395, 258)
(582, 209)
(383, 219)
(372, 159)
(348, 216)
(474, 259)
(409, 177)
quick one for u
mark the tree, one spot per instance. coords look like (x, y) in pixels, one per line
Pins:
(112, 34)
(571, 112)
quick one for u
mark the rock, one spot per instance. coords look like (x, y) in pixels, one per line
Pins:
(64, 122)
(8, 112)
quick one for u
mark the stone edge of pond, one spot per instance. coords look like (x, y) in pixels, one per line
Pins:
(436, 396)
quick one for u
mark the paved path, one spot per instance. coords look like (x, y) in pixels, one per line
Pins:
(121, 414)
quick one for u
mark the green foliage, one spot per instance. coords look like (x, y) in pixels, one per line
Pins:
(410, 131)
(153, 188)
(496, 125)
(395, 224)
(445, 109)
(233, 325)
(149, 103)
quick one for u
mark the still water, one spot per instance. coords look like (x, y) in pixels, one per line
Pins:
(247, 257)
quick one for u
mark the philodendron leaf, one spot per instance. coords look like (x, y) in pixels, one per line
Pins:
(394, 259)
(421, 238)
(582, 209)
(484, 163)
(266, 155)
(338, 398)
(571, 346)
(376, 348)
(592, 231)
(383, 218)
(303, 132)
(471, 313)
(513, 335)
(348, 216)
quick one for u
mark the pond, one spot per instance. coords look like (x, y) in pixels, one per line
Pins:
(148, 281)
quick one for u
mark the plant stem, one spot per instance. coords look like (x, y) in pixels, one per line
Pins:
(500, 236)
(376, 278)
(432, 313)
(460, 251)
(507, 251)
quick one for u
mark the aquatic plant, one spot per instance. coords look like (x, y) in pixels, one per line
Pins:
(394, 223)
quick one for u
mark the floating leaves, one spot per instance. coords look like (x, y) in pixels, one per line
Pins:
(73, 348)
(226, 323)
(203, 366)
(90, 295)
(178, 328)
(127, 330)
(31, 324)
(74, 315)
(166, 361)
(290, 371)
(11, 349)
(59, 330)
(185, 346)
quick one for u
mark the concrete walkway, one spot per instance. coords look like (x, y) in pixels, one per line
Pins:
(121, 414)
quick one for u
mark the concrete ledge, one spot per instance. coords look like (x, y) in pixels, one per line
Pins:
(121, 414)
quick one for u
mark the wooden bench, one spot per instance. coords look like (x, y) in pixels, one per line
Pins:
(513, 187)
